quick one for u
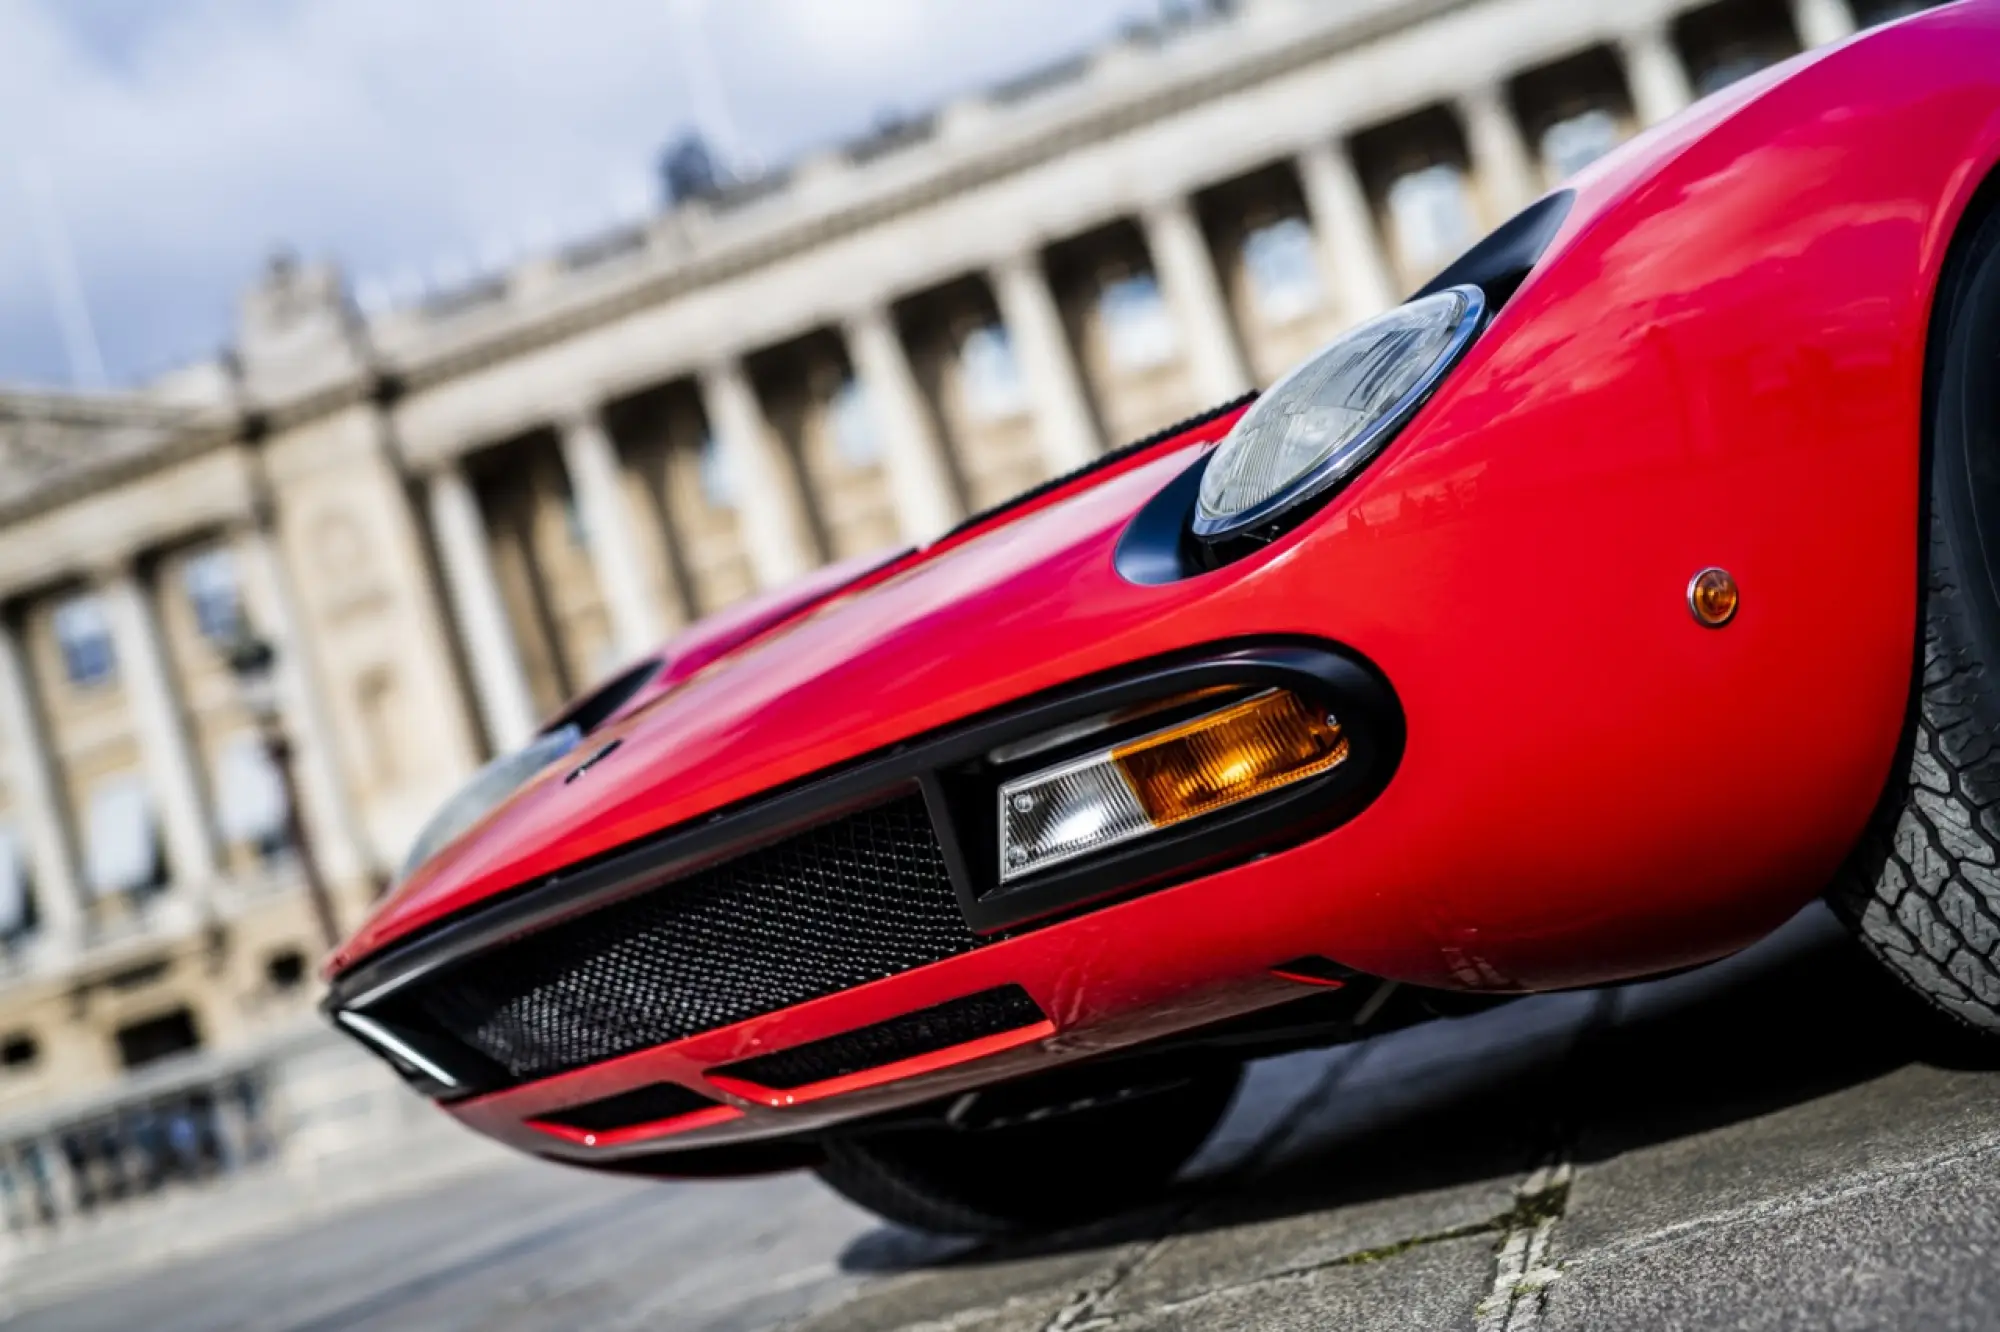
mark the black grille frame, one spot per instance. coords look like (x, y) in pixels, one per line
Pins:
(384, 986)
(922, 1031)
(855, 899)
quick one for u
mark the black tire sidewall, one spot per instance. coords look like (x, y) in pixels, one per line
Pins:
(1965, 433)
(1033, 1176)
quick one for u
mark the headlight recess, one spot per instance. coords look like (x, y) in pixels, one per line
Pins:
(1322, 422)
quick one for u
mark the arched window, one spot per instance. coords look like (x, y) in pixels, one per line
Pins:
(1430, 210)
(122, 852)
(1283, 270)
(1138, 328)
(214, 593)
(250, 796)
(994, 389)
(718, 480)
(83, 633)
(854, 437)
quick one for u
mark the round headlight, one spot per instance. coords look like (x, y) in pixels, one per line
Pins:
(1316, 427)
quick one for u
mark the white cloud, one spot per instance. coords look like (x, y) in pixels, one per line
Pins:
(184, 142)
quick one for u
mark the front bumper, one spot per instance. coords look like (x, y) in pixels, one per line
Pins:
(753, 920)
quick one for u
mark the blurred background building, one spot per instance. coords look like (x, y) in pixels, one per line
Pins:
(448, 517)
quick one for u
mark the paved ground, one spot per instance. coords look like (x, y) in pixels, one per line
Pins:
(1761, 1144)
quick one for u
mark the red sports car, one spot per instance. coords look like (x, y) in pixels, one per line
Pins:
(1578, 620)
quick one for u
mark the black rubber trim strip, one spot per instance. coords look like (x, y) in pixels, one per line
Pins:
(1499, 263)
(1363, 700)
(1099, 463)
(649, 1104)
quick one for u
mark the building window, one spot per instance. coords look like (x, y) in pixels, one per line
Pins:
(158, 1038)
(717, 478)
(854, 437)
(1430, 211)
(285, 969)
(124, 844)
(1729, 67)
(1570, 145)
(1283, 270)
(84, 635)
(250, 797)
(994, 388)
(1138, 328)
(19, 1050)
(213, 591)
(17, 899)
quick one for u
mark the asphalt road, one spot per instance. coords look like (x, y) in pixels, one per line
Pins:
(1768, 1143)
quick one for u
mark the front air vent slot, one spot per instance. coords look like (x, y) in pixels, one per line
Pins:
(650, 1104)
(994, 1012)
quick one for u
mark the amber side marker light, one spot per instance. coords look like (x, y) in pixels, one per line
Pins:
(1264, 742)
(1713, 598)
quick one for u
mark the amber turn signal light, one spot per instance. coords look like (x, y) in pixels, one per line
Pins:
(1220, 758)
(1243, 751)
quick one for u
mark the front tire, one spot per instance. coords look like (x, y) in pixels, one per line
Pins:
(1922, 892)
(1036, 1173)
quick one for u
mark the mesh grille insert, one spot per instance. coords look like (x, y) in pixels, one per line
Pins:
(858, 899)
(642, 1105)
(923, 1032)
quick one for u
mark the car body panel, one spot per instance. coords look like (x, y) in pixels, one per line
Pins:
(1717, 363)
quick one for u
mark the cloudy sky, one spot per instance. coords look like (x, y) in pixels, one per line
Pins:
(169, 147)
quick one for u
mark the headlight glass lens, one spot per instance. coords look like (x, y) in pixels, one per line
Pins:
(1320, 423)
(487, 788)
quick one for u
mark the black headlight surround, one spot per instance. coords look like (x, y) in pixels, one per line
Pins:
(1159, 545)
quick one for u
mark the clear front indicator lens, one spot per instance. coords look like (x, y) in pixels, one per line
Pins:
(1317, 426)
(1260, 744)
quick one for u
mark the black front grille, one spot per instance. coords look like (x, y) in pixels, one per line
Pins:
(642, 1105)
(860, 898)
(926, 1031)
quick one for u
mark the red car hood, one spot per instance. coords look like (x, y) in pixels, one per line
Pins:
(856, 672)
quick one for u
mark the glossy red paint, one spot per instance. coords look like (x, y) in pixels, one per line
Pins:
(1717, 363)
(661, 1128)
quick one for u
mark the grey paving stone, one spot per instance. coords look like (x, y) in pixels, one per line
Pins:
(1770, 1143)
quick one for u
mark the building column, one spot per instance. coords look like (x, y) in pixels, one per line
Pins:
(912, 455)
(1500, 154)
(323, 797)
(1193, 292)
(33, 785)
(597, 481)
(164, 747)
(1346, 227)
(768, 501)
(1655, 73)
(1064, 423)
(499, 681)
(1821, 21)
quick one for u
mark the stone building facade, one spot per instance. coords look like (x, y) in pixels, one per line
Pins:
(450, 516)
